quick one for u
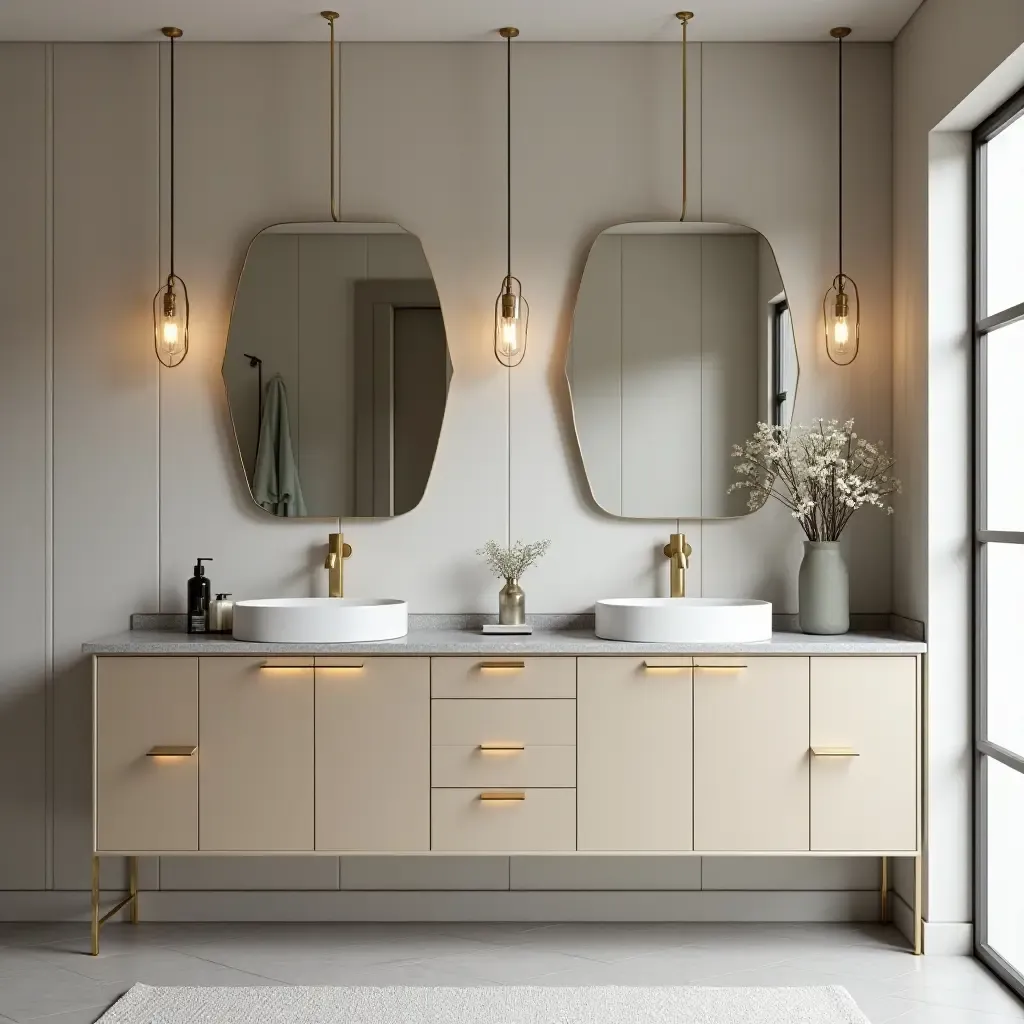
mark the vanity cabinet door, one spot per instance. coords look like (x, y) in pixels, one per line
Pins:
(143, 801)
(373, 754)
(750, 739)
(256, 750)
(634, 755)
(864, 714)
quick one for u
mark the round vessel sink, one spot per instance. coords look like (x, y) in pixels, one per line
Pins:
(320, 620)
(667, 620)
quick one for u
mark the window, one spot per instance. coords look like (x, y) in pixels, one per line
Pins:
(999, 512)
(783, 362)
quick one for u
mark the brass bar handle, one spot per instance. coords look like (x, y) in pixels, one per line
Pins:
(272, 665)
(834, 752)
(172, 750)
(490, 747)
(498, 796)
(503, 664)
(650, 666)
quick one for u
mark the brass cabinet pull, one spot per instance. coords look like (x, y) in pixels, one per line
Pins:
(503, 664)
(490, 747)
(497, 797)
(271, 665)
(654, 666)
(172, 750)
(834, 752)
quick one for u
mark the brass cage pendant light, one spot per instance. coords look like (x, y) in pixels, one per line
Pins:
(511, 310)
(170, 304)
(841, 305)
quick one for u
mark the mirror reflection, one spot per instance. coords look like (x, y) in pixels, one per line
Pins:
(337, 370)
(682, 340)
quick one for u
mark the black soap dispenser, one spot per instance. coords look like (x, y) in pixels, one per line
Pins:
(198, 598)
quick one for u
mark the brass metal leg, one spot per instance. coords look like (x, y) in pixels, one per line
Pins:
(885, 889)
(133, 887)
(918, 891)
(95, 929)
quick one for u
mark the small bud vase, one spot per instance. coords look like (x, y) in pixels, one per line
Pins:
(511, 604)
(824, 587)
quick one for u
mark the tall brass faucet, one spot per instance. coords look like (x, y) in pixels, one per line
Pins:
(679, 551)
(337, 552)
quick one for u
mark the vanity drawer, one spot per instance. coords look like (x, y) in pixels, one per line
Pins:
(502, 676)
(532, 722)
(524, 821)
(461, 766)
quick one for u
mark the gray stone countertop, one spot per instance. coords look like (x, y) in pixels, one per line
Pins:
(469, 642)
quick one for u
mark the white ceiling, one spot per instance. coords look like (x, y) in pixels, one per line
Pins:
(461, 20)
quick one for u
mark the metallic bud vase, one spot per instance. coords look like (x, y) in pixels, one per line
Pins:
(511, 604)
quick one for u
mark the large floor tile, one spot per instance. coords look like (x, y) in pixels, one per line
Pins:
(947, 1015)
(46, 990)
(508, 966)
(607, 943)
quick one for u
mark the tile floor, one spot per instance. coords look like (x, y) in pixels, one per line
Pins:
(47, 976)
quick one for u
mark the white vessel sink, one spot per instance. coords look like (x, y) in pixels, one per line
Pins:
(666, 620)
(320, 620)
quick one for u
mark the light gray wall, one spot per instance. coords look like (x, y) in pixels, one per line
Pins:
(954, 64)
(140, 463)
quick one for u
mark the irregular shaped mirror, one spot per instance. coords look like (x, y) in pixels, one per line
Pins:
(681, 341)
(337, 370)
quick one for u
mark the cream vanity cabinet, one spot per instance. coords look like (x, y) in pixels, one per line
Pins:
(758, 753)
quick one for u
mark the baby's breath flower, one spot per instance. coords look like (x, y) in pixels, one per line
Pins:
(511, 563)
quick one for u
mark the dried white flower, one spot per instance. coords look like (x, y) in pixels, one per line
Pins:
(511, 563)
(822, 473)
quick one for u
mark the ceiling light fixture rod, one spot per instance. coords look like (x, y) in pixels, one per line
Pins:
(840, 34)
(330, 17)
(172, 34)
(684, 18)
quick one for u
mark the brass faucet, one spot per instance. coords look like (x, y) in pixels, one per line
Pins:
(679, 551)
(337, 552)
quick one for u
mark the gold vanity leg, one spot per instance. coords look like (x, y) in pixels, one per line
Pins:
(95, 930)
(918, 888)
(885, 889)
(133, 887)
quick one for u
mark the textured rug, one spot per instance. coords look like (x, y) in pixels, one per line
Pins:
(145, 1004)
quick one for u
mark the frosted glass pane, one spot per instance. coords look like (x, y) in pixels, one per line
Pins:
(1005, 862)
(1005, 428)
(1004, 222)
(1004, 592)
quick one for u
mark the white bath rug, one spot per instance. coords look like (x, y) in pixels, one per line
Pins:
(145, 1004)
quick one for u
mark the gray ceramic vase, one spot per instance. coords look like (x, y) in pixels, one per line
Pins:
(824, 589)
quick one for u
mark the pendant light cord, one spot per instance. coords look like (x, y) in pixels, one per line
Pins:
(682, 216)
(172, 159)
(508, 158)
(840, 122)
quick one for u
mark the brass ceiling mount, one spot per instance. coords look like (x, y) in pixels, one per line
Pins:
(330, 16)
(508, 32)
(684, 16)
(841, 32)
(171, 32)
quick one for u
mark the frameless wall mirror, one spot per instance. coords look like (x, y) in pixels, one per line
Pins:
(682, 341)
(337, 370)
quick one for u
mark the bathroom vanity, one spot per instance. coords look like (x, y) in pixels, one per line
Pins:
(448, 742)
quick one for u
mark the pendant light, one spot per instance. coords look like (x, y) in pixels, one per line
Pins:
(331, 17)
(511, 310)
(170, 304)
(685, 17)
(840, 308)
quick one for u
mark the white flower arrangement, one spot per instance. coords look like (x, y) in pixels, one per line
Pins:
(511, 562)
(822, 473)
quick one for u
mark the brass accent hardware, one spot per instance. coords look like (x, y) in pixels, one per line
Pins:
(685, 17)
(657, 667)
(172, 750)
(271, 666)
(499, 796)
(834, 752)
(96, 921)
(885, 890)
(486, 665)
(498, 747)
(839, 33)
(679, 552)
(337, 552)
(331, 17)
